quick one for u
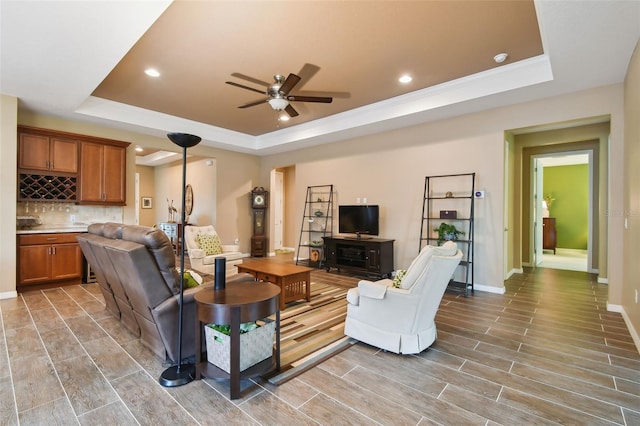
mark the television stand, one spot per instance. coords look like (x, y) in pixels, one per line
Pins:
(358, 238)
(371, 256)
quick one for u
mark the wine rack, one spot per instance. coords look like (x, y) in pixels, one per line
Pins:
(47, 187)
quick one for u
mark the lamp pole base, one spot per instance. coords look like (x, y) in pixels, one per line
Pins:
(177, 375)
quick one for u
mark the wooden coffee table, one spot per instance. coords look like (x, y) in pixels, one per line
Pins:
(294, 281)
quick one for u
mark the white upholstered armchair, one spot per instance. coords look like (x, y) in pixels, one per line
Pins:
(199, 240)
(401, 320)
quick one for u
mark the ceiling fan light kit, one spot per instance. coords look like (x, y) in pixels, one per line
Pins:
(278, 103)
(278, 94)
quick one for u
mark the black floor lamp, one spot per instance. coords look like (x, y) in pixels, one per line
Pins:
(181, 374)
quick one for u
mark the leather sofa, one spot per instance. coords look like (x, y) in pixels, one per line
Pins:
(135, 267)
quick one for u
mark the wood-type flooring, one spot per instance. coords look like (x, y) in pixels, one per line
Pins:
(545, 352)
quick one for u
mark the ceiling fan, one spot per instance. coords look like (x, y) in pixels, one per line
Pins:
(278, 94)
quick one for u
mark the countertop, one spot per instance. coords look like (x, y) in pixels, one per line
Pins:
(54, 229)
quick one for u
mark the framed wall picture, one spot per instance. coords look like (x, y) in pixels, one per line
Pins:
(147, 202)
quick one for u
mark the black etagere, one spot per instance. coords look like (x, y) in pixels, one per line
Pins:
(450, 199)
(317, 223)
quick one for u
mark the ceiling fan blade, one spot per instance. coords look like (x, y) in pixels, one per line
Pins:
(288, 84)
(306, 73)
(245, 87)
(291, 111)
(321, 99)
(323, 93)
(254, 103)
(251, 79)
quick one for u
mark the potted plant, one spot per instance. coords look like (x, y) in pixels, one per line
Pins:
(447, 232)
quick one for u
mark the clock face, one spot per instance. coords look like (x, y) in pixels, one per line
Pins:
(259, 200)
(188, 200)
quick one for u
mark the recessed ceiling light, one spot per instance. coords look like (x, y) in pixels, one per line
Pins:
(406, 78)
(500, 57)
(152, 72)
(139, 149)
(283, 117)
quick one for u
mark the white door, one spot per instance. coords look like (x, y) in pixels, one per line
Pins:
(537, 209)
(506, 246)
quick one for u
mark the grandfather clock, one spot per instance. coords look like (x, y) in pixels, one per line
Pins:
(259, 198)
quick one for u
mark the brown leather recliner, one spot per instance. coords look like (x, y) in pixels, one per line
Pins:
(137, 265)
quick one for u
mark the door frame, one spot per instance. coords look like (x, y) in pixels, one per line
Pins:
(536, 205)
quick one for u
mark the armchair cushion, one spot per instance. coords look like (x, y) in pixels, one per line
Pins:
(210, 243)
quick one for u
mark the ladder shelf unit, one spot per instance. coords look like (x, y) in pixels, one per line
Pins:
(317, 223)
(450, 199)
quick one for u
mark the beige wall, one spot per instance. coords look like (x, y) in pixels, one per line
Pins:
(201, 175)
(389, 169)
(8, 196)
(147, 187)
(631, 209)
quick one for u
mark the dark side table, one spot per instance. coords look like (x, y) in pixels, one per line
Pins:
(237, 303)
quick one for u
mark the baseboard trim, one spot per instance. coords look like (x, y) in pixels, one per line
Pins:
(634, 333)
(9, 295)
(489, 289)
(614, 308)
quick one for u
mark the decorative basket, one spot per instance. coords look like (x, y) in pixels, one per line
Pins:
(255, 346)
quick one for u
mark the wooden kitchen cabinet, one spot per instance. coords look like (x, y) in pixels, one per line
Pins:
(39, 151)
(49, 258)
(102, 173)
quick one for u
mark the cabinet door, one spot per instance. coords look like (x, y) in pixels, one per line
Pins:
(102, 174)
(373, 259)
(39, 152)
(91, 172)
(66, 261)
(330, 251)
(33, 152)
(63, 155)
(114, 174)
(35, 264)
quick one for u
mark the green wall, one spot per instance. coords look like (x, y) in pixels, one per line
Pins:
(569, 185)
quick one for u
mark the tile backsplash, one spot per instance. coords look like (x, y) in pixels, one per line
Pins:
(60, 214)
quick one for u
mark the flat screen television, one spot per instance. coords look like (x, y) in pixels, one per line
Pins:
(358, 219)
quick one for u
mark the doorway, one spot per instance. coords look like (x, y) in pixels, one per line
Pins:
(557, 138)
(282, 209)
(562, 197)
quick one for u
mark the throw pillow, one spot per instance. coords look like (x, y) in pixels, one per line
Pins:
(209, 243)
(191, 278)
(189, 281)
(397, 279)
